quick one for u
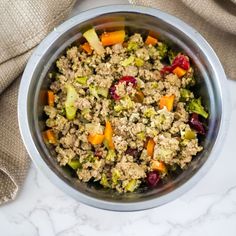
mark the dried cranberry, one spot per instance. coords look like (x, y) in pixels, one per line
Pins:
(128, 79)
(113, 94)
(152, 178)
(181, 61)
(132, 152)
(196, 124)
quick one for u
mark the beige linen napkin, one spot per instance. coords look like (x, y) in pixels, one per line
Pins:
(23, 24)
(214, 19)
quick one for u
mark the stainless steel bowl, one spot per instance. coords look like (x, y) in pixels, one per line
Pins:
(211, 84)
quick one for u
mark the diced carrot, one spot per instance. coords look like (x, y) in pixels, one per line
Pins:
(158, 165)
(168, 102)
(108, 135)
(150, 147)
(179, 71)
(96, 138)
(151, 40)
(49, 136)
(51, 98)
(86, 47)
(111, 38)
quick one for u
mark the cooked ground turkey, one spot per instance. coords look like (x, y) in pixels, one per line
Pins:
(134, 120)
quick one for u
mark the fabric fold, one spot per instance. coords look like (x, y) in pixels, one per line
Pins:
(23, 24)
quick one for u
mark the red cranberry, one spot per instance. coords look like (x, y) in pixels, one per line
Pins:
(127, 80)
(132, 152)
(196, 124)
(152, 178)
(181, 61)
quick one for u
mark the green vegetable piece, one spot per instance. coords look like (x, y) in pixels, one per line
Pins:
(111, 155)
(139, 62)
(191, 81)
(104, 181)
(94, 41)
(115, 176)
(132, 185)
(162, 49)
(189, 134)
(171, 55)
(128, 61)
(141, 136)
(71, 98)
(149, 112)
(127, 103)
(102, 91)
(82, 80)
(132, 46)
(195, 106)
(75, 164)
(185, 94)
(93, 91)
(118, 108)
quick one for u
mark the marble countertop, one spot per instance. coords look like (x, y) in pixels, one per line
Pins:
(209, 208)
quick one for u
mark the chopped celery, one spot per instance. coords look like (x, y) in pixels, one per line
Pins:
(104, 181)
(111, 155)
(195, 106)
(75, 164)
(188, 134)
(115, 176)
(154, 84)
(127, 103)
(139, 62)
(141, 136)
(118, 108)
(71, 98)
(132, 46)
(82, 80)
(132, 185)
(94, 41)
(128, 61)
(149, 112)
(93, 91)
(102, 91)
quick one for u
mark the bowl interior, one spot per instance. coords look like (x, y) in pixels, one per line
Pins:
(133, 22)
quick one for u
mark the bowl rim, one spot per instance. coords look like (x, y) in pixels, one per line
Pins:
(23, 114)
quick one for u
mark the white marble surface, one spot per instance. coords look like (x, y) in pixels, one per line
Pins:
(208, 209)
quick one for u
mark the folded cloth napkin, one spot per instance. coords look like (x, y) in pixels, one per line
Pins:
(214, 19)
(23, 24)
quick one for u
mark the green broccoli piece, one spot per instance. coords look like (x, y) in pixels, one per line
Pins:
(162, 50)
(75, 164)
(185, 95)
(171, 55)
(195, 106)
(132, 46)
(104, 181)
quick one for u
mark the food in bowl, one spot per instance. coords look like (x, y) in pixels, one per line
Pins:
(122, 110)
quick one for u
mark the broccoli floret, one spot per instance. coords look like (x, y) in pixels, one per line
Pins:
(171, 55)
(185, 94)
(162, 49)
(195, 106)
(132, 46)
